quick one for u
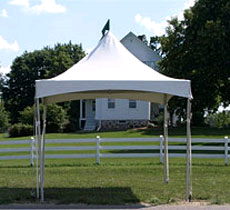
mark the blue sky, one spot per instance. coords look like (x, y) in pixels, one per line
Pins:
(33, 24)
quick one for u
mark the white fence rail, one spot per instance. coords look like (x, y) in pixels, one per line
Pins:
(177, 148)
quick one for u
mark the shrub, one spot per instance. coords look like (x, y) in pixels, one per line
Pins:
(20, 129)
(27, 116)
(159, 119)
(56, 117)
(218, 120)
(4, 118)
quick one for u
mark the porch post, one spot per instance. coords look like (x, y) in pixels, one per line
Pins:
(166, 159)
(189, 155)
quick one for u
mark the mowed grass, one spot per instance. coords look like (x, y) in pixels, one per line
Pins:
(115, 181)
(197, 132)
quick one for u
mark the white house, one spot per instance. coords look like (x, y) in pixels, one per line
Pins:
(114, 114)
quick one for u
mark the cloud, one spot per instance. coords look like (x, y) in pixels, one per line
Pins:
(187, 5)
(3, 13)
(158, 28)
(48, 6)
(151, 25)
(23, 3)
(5, 69)
(45, 6)
(4, 45)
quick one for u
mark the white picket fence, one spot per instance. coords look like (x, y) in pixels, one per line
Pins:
(116, 151)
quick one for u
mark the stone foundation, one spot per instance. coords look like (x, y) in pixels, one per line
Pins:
(107, 125)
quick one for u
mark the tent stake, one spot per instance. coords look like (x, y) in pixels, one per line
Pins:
(189, 155)
(166, 159)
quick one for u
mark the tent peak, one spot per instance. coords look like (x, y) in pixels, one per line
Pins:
(106, 27)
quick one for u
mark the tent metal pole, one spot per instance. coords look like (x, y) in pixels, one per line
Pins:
(42, 165)
(189, 155)
(80, 114)
(38, 137)
(36, 140)
(166, 158)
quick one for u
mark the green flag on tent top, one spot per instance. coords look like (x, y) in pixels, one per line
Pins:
(106, 27)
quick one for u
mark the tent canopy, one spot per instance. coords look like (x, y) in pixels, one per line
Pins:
(111, 71)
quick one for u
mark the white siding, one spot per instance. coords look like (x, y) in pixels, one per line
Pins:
(122, 110)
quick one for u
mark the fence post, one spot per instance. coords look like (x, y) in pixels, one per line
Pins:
(226, 150)
(161, 148)
(98, 150)
(32, 151)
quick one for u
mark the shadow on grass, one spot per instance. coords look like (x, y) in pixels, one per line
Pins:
(181, 131)
(170, 151)
(95, 196)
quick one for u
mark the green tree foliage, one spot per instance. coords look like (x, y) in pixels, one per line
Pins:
(218, 120)
(198, 48)
(56, 117)
(27, 115)
(19, 129)
(39, 64)
(1, 82)
(4, 118)
(74, 115)
(143, 38)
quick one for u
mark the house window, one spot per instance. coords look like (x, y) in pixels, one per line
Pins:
(111, 103)
(132, 104)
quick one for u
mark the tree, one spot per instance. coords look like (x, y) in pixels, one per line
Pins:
(4, 118)
(198, 48)
(30, 66)
(143, 38)
(56, 117)
(1, 82)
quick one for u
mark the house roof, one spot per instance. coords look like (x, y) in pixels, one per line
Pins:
(111, 71)
(139, 48)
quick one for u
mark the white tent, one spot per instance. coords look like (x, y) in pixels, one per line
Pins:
(111, 71)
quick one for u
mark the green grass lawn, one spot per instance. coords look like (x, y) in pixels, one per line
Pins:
(115, 181)
(197, 132)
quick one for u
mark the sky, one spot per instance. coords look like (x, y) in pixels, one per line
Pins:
(27, 25)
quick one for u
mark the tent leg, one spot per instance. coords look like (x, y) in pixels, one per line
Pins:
(38, 146)
(80, 114)
(189, 155)
(166, 159)
(42, 163)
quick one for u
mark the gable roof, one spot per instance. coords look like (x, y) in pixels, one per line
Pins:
(139, 48)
